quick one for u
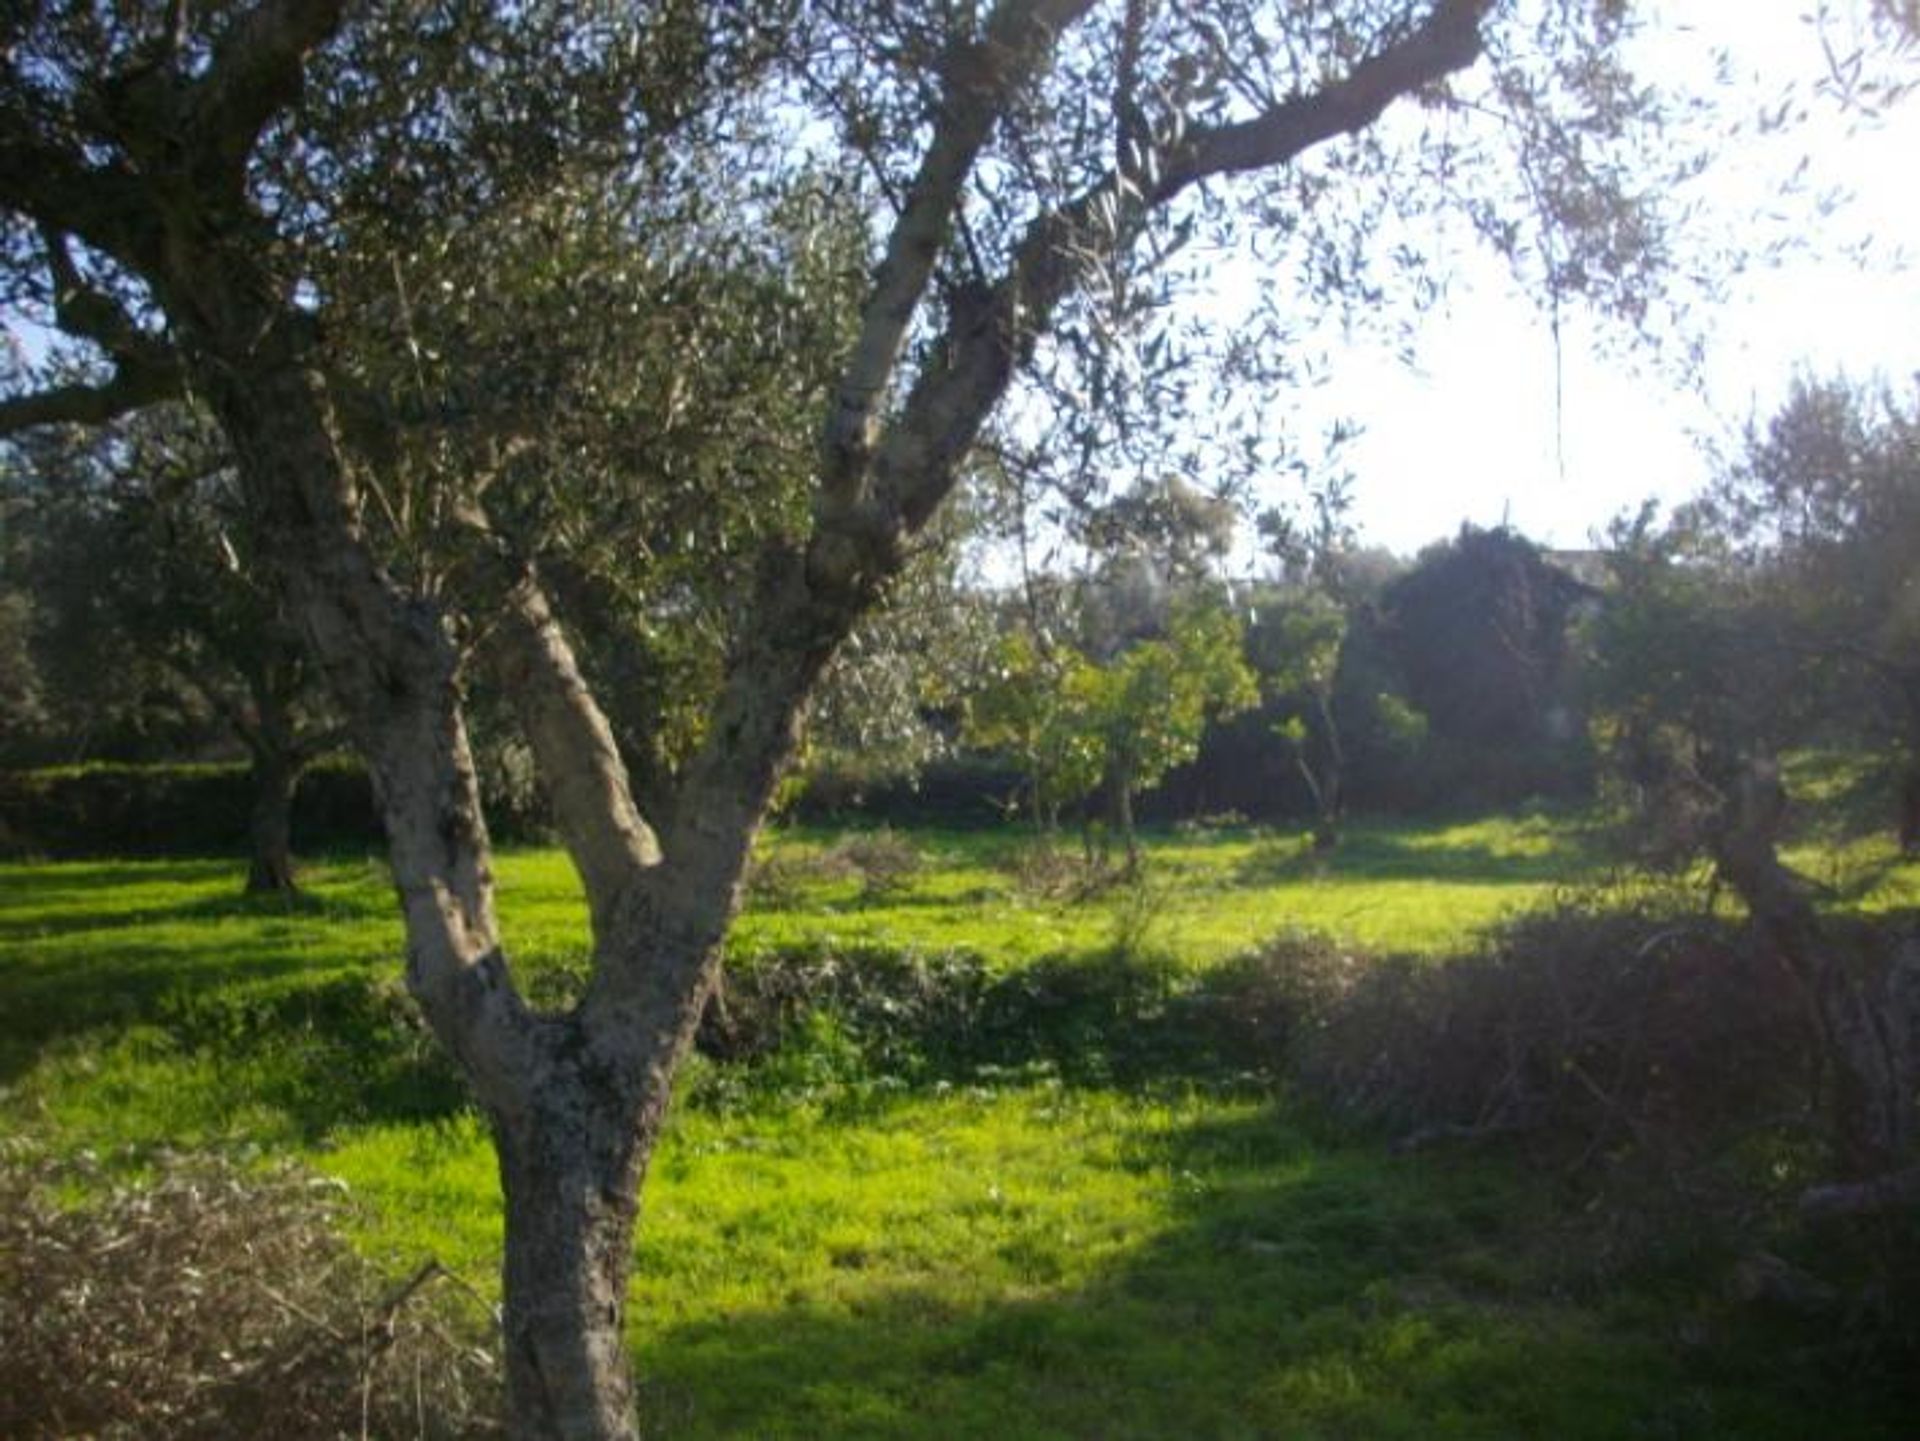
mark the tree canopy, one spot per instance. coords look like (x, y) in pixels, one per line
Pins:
(744, 290)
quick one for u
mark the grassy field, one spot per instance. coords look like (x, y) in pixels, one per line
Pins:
(831, 1250)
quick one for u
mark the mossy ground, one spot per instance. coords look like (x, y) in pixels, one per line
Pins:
(834, 1252)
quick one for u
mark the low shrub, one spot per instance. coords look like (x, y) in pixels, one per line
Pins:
(902, 1009)
(878, 1014)
(211, 1301)
(1616, 1030)
(882, 861)
(960, 791)
(1047, 868)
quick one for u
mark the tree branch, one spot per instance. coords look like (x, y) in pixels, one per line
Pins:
(1894, 1192)
(978, 81)
(1448, 40)
(608, 839)
(975, 359)
(806, 603)
(133, 386)
(257, 69)
(99, 203)
(83, 310)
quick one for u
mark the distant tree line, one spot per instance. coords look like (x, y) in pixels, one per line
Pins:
(1776, 610)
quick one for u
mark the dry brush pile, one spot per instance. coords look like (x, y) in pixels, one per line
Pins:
(214, 1300)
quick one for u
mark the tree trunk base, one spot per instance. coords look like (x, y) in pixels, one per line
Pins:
(570, 1188)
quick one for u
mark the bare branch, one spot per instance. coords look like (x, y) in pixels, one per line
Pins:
(609, 840)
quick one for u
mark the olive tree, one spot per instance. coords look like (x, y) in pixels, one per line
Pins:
(141, 547)
(204, 196)
(1821, 506)
(1698, 689)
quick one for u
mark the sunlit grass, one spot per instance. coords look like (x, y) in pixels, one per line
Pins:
(1388, 888)
(1003, 1256)
(1039, 1261)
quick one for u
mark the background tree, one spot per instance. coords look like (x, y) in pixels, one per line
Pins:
(1296, 640)
(142, 558)
(1698, 695)
(1099, 701)
(1151, 703)
(1481, 629)
(1822, 508)
(201, 194)
(1040, 706)
(1294, 646)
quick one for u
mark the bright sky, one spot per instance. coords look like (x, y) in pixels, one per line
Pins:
(1473, 434)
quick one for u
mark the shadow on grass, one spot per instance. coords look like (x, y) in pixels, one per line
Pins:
(295, 993)
(1366, 854)
(1297, 1292)
(73, 897)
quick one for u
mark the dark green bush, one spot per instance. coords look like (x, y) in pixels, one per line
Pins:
(108, 809)
(876, 1013)
(138, 810)
(1614, 1031)
(958, 791)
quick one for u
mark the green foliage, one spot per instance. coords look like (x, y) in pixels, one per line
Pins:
(1818, 520)
(1294, 643)
(1077, 723)
(1152, 703)
(178, 809)
(1481, 630)
(1042, 706)
(154, 623)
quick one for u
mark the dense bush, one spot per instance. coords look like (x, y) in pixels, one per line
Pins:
(134, 810)
(960, 791)
(1616, 1030)
(1126, 1014)
(211, 1301)
(63, 812)
(1595, 1029)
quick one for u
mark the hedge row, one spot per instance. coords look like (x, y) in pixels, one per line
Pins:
(157, 810)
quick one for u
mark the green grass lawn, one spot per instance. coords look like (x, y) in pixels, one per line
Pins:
(843, 1254)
